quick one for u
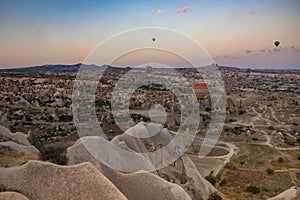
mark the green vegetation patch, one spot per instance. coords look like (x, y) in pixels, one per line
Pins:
(253, 189)
(257, 156)
(211, 178)
(270, 171)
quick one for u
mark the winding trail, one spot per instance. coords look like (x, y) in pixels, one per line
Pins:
(268, 143)
(231, 148)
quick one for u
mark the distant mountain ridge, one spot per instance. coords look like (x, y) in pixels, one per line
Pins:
(51, 69)
(72, 69)
(43, 69)
(61, 68)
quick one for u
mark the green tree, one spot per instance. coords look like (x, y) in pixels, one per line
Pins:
(253, 189)
(211, 178)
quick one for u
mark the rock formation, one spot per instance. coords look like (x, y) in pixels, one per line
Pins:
(17, 137)
(146, 185)
(12, 196)
(22, 148)
(182, 172)
(17, 141)
(42, 181)
(291, 194)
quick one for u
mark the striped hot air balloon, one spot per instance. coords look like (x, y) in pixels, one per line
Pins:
(201, 90)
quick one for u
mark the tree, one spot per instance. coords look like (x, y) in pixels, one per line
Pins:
(253, 189)
(211, 178)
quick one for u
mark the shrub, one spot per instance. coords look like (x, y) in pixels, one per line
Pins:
(280, 159)
(223, 182)
(291, 143)
(2, 188)
(50, 119)
(65, 118)
(211, 178)
(242, 112)
(230, 165)
(207, 109)
(236, 130)
(253, 189)
(271, 128)
(215, 196)
(270, 171)
(255, 139)
(55, 155)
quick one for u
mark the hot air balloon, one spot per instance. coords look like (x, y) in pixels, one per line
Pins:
(153, 39)
(201, 90)
(276, 43)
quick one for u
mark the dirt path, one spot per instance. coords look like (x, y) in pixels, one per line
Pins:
(278, 123)
(232, 149)
(268, 143)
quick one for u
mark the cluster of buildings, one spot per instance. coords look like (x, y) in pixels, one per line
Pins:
(273, 81)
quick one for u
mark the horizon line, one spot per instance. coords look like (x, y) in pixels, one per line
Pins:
(79, 63)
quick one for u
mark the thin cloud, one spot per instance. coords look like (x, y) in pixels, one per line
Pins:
(248, 51)
(262, 50)
(185, 9)
(294, 49)
(282, 49)
(159, 12)
(230, 57)
(276, 50)
(226, 57)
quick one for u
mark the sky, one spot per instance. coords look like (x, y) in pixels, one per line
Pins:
(234, 33)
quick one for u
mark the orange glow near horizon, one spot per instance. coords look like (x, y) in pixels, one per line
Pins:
(140, 57)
